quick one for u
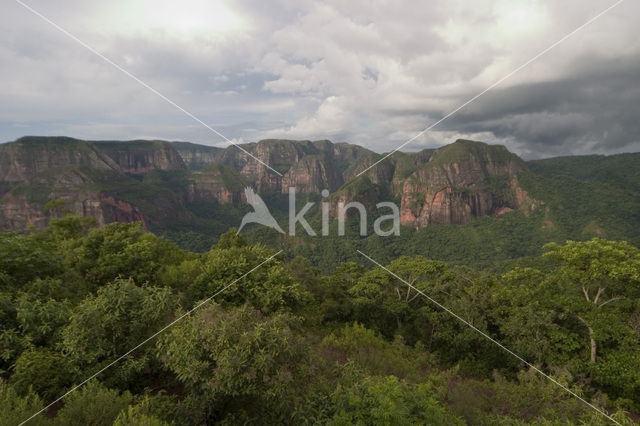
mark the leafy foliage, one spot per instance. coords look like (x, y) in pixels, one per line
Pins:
(289, 344)
(236, 355)
(94, 404)
(388, 401)
(105, 326)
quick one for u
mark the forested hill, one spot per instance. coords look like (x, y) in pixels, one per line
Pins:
(620, 170)
(577, 198)
(466, 202)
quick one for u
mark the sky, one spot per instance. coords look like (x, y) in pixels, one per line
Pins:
(374, 73)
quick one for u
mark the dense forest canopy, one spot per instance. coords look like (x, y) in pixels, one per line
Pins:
(290, 344)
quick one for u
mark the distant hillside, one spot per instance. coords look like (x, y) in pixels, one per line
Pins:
(151, 180)
(450, 185)
(502, 207)
(589, 196)
(621, 170)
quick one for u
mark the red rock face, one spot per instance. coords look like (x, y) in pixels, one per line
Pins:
(450, 185)
(19, 213)
(454, 187)
(207, 191)
(216, 184)
(502, 210)
(308, 166)
(112, 210)
(407, 217)
(67, 169)
(310, 175)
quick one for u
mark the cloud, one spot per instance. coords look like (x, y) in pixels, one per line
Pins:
(591, 110)
(368, 72)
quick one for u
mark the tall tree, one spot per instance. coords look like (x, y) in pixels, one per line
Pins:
(237, 359)
(598, 274)
(107, 325)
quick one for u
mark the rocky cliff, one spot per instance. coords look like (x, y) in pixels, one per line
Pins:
(74, 189)
(310, 165)
(88, 178)
(156, 182)
(140, 156)
(196, 157)
(219, 183)
(450, 185)
(25, 158)
(461, 181)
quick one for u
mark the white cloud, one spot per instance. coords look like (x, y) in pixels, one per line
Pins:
(370, 72)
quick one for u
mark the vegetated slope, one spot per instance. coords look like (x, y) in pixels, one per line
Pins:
(590, 195)
(620, 170)
(502, 207)
(568, 203)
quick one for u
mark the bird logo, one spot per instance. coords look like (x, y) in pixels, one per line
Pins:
(260, 213)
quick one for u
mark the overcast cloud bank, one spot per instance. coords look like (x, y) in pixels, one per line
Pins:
(368, 72)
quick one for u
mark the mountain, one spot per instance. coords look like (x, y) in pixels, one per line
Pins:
(450, 185)
(193, 193)
(196, 156)
(100, 178)
(310, 166)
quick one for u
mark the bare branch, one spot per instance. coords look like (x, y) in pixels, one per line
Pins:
(582, 319)
(414, 296)
(613, 299)
(586, 293)
(600, 291)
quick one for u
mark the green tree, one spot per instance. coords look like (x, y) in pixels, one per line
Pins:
(593, 277)
(375, 355)
(15, 408)
(25, 257)
(12, 341)
(41, 320)
(577, 314)
(531, 322)
(388, 303)
(94, 405)
(618, 374)
(107, 325)
(237, 358)
(389, 401)
(333, 298)
(133, 417)
(46, 372)
(269, 288)
(69, 227)
(231, 239)
(123, 250)
(158, 409)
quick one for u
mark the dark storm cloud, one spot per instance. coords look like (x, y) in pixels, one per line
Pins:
(594, 109)
(373, 73)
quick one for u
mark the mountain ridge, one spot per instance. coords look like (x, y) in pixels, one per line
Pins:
(46, 167)
(198, 190)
